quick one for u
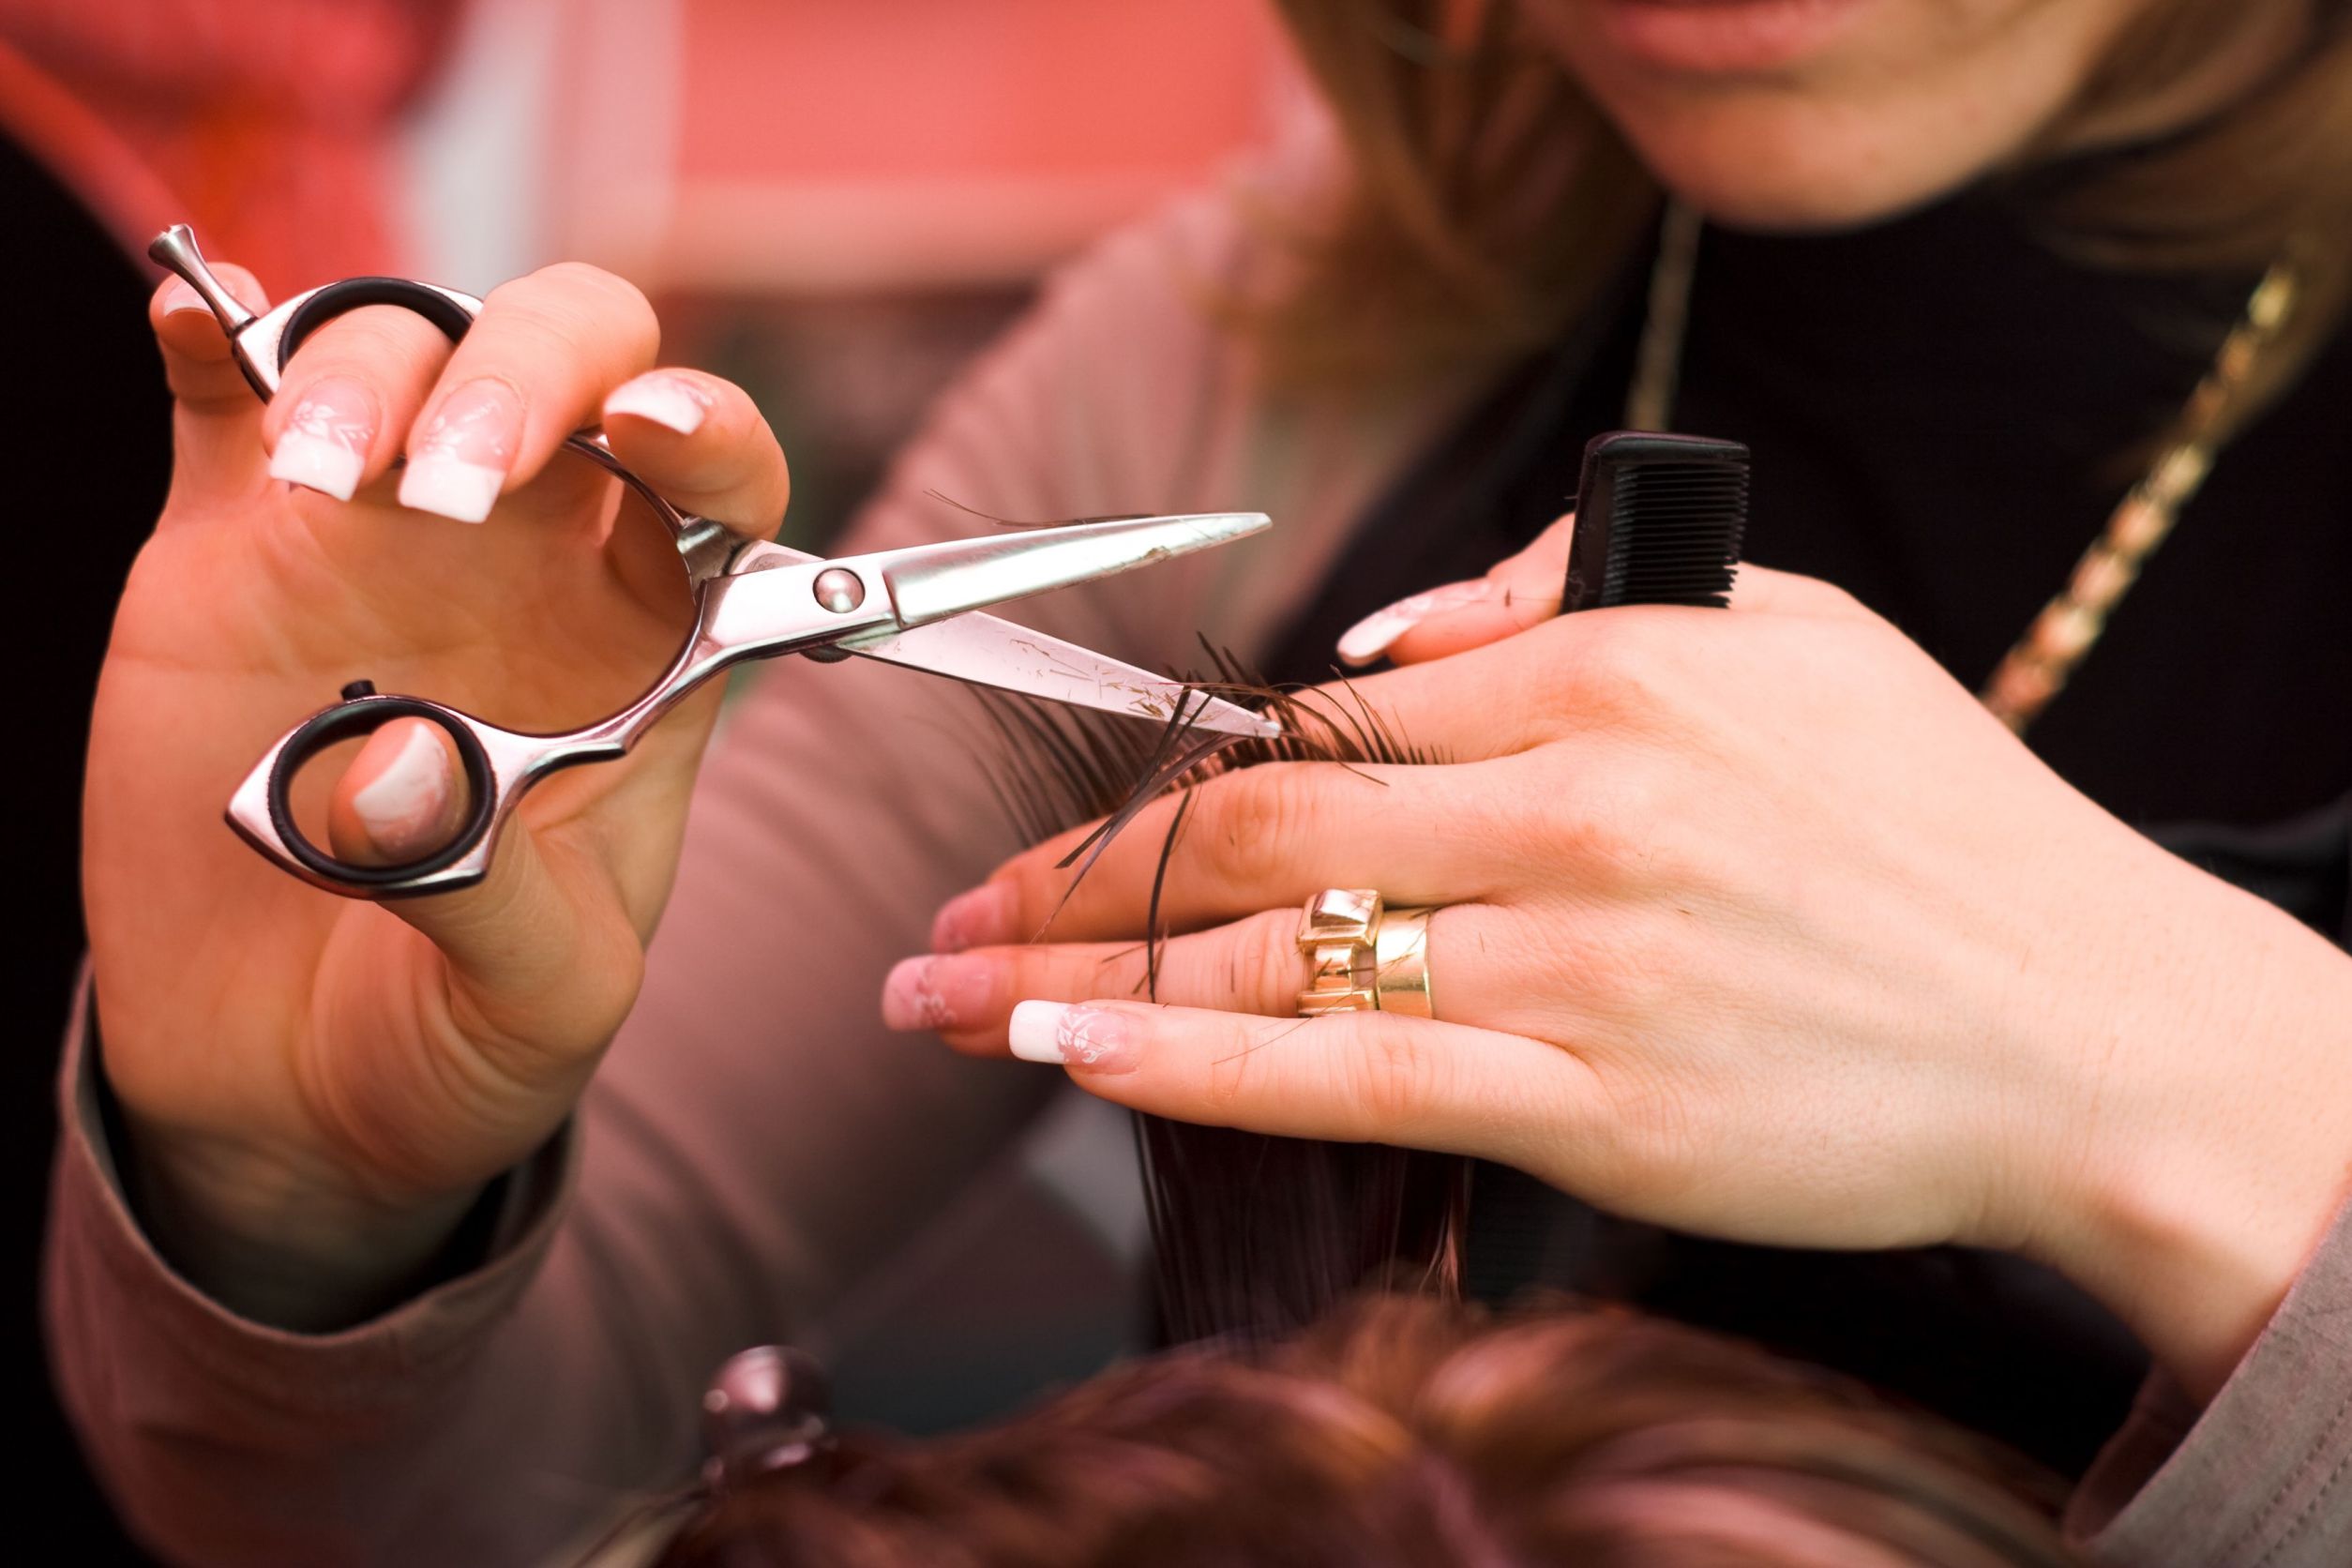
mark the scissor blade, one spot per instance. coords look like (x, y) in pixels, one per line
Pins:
(985, 651)
(930, 582)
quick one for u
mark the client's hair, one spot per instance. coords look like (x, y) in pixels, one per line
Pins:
(1410, 1431)
(1252, 1234)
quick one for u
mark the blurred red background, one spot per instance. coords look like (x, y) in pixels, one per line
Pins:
(737, 144)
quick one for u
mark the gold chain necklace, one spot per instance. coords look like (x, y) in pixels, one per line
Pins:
(2037, 666)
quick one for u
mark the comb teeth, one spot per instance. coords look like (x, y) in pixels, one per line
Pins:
(1675, 534)
(1658, 520)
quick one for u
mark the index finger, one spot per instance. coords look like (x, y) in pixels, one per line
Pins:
(1527, 589)
(1516, 594)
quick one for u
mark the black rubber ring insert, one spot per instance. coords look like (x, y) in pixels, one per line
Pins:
(352, 292)
(364, 717)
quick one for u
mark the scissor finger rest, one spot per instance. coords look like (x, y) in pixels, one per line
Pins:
(363, 713)
(500, 766)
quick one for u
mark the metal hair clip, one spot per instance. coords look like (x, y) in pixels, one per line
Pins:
(917, 606)
(768, 1408)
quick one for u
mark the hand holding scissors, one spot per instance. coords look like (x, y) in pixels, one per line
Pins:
(317, 1087)
(753, 600)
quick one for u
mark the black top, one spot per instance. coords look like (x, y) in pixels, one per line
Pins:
(1943, 412)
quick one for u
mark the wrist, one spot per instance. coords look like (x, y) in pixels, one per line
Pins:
(2211, 1141)
(2198, 1275)
(279, 1244)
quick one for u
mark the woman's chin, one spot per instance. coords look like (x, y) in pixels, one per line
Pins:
(1775, 172)
(1810, 114)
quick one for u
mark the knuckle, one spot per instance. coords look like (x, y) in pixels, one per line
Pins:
(1494, 829)
(542, 324)
(1386, 1079)
(1230, 1082)
(1036, 889)
(1615, 672)
(594, 282)
(1266, 972)
(1652, 1146)
(1626, 968)
(1245, 820)
(1811, 596)
(374, 340)
(574, 304)
(1071, 975)
(609, 297)
(1607, 823)
(1838, 599)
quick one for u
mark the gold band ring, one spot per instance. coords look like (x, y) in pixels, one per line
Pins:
(1364, 956)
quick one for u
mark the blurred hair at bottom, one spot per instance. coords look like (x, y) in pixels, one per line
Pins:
(1405, 1430)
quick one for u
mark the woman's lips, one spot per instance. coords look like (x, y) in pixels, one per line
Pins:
(1723, 37)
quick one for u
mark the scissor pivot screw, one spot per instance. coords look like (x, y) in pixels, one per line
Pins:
(357, 689)
(840, 590)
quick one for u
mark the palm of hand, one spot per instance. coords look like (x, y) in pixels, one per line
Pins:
(244, 612)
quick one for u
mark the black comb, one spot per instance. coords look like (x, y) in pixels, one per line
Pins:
(1658, 520)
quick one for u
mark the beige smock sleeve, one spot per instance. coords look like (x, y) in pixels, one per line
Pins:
(756, 1140)
(2261, 1477)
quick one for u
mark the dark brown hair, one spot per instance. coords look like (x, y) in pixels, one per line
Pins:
(1408, 1431)
(1252, 1234)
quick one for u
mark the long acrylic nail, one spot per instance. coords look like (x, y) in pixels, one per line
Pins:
(1076, 1035)
(402, 805)
(669, 400)
(932, 992)
(982, 917)
(459, 463)
(324, 442)
(1369, 637)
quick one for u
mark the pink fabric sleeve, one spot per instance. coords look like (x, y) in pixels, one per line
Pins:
(756, 1141)
(2263, 1475)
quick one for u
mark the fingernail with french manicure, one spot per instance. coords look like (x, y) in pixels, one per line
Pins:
(1369, 637)
(1094, 1039)
(933, 992)
(324, 442)
(670, 401)
(458, 465)
(981, 918)
(400, 806)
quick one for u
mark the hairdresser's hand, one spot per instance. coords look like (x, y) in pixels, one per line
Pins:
(316, 1087)
(1755, 924)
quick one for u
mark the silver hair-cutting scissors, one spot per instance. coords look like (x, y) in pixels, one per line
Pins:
(752, 599)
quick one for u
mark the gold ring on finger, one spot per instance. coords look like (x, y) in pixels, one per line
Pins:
(1364, 956)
